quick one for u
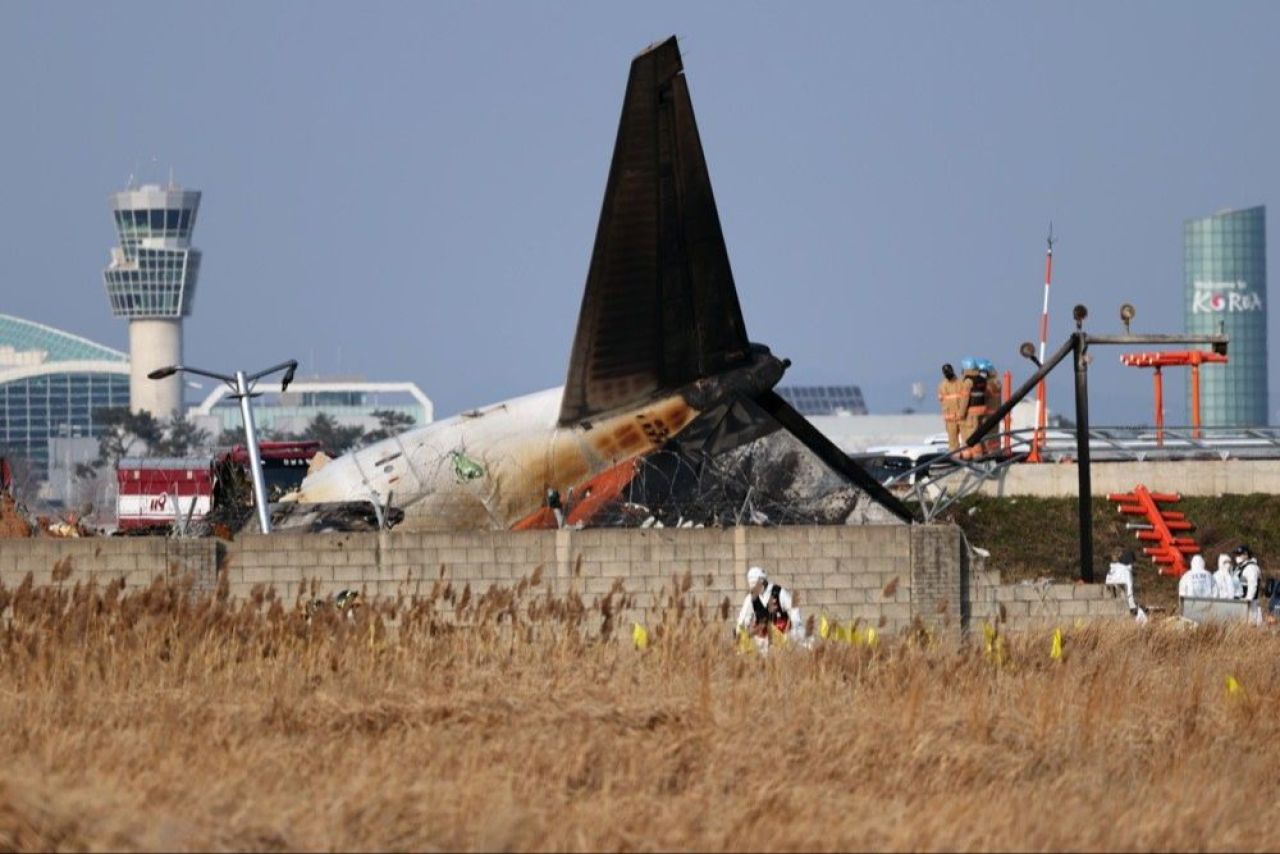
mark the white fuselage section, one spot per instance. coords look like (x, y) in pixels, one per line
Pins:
(492, 467)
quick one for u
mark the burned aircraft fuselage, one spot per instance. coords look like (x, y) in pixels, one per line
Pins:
(493, 467)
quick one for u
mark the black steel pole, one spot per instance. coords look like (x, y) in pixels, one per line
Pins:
(993, 419)
(1082, 459)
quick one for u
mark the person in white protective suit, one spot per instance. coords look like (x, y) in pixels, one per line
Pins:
(768, 605)
(1196, 582)
(1225, 581)
(1120, 574)
(1250, 580)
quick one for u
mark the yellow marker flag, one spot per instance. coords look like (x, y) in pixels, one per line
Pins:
(1234, 688)
(639, 636)
(824, 628)
(872, 638)
(1055, 652)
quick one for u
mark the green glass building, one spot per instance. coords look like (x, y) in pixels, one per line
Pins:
(52, 384)
(1225, 278)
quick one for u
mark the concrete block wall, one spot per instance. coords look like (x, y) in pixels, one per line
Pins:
(847, 573)
(1041, 604)
(385, 565)
(1189, 477)
(888, 576)
(136, 560)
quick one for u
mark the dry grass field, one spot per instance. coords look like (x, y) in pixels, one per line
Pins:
(163, 721)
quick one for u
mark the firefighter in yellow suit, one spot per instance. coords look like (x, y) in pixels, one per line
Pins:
(976, 405)
(994, 390)
(953, 395)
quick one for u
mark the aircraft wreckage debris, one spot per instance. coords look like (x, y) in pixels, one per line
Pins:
(668, 413)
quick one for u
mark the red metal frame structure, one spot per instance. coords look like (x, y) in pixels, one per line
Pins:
(1174, 359)
(1170, 551)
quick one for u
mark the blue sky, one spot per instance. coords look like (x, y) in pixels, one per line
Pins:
(410, 190)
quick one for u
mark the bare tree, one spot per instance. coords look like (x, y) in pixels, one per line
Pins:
(390, 423)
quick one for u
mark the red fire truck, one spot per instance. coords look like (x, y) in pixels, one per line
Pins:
(156, 492)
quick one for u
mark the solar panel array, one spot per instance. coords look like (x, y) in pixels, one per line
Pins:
(824, 399)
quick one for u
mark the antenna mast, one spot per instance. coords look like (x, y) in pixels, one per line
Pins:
(1041, 391)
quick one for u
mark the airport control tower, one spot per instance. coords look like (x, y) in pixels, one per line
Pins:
(151, 280)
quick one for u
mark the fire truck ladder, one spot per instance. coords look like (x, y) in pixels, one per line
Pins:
(1168, 552)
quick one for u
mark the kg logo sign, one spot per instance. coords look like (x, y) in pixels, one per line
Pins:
(1217, 297)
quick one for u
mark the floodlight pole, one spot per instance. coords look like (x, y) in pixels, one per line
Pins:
(242, 389)
(1078, 347)
(1084, 476)
(255, 458)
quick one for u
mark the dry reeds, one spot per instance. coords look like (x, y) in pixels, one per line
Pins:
(511, 719)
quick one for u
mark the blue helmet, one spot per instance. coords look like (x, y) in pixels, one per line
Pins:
(968, 364)
(986, 365)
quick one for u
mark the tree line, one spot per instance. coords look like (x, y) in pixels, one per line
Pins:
(141, 434)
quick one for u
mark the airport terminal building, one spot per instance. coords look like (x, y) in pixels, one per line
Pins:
(51, 385)
(1225, 272)
(348, 401)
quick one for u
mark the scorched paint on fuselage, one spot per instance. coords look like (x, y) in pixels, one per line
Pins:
(492, 467)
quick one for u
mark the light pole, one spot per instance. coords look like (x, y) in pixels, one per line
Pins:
(242, 386)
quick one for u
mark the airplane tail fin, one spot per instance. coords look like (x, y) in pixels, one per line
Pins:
(660, 309)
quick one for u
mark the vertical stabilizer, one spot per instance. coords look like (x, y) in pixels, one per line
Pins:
(660, 307)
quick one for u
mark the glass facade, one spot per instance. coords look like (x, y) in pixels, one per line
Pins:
(293, 418)
(52, 385)
(134, 226)
(153, 272)
(154, 285)
(35, 409)
(1225, 287)
(348, 400)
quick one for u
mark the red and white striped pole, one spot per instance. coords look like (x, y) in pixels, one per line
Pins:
(1036, 445)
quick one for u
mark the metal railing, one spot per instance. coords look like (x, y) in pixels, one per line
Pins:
(937, 483)
(1139, 443)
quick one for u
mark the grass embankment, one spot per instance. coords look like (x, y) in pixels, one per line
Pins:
(153, 721)
(1033, 538)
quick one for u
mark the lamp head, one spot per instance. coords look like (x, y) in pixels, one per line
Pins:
(161, 373)
(1028, 351)
(1127, 313)
(288, 377)
(1079, 313)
